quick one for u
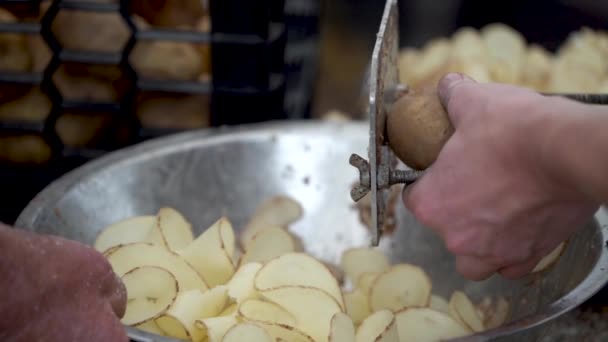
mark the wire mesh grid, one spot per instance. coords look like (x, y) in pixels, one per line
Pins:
(246, 83)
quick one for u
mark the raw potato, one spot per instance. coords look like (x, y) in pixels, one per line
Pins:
(216, 327)
(439, 303)
(365, 282)
(278, 211)
(418, 126)
(127, 257)
(211, 253)
(550, 259)
(151, 327)
(495, 312)
(245, 332)
(507, 48)
(268, 244)
(402, 286)
(150, 291)
(342, 328)
(311, 307)
(357, 305)
(230, 310)
(134, 229)
(298, 269)
(357, 261)
(285, 333)
(242, 284)
(466, 311)
(179, 320)
(379, 327)
(427, 325)
(262, 311)
(174, 230)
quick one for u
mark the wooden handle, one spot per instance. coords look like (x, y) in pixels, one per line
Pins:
(418, 126)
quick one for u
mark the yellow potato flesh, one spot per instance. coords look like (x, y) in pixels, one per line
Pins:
(247, 332)
(216, 327)
(427, 325)
(402, 286)
(358, 261)
(357, 305)
(311, 307)
(298, 269)
(285, 332)
(209, 256)
(378, 327)
(439, 303)
(242, 284)
(278, 211)
(467, 312)
(262, 311)
(174, 228)
(268, 244)
(150, 291)
(134, 229)
(342, 328)
(190, 306)
(128, 257)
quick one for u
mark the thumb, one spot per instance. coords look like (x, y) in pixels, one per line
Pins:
(449, 87)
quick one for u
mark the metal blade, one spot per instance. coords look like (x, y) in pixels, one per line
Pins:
(384, 77)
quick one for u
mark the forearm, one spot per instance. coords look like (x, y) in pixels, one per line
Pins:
(574, 147)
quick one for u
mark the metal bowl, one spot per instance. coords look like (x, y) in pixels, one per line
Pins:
(228, 171)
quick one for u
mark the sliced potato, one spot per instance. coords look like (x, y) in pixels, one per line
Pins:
(342, 328)
(210, 255)
(358, 261)
(277, 211)
(549, 259)
(365, 282)
(127, 257)
(230, 310)
(467, 312)
(150, 291)
(298, 269)
(268, 244)
(357, 305)
(285, 332)
(134, 229)
(175, 229)
(151, 327)
(467, 44)
(242, 284)
(507, 47)
(402, 286)
(262, 311)
(312, 308)
(439, 303)
(495, 312)
(247, 332)
(216, 327)
(425, 324)
(379, 327)
(190, 306)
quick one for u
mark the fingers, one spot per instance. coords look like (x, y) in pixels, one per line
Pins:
(115, 293)
(519, 270)
(474, 268)
(454, 91)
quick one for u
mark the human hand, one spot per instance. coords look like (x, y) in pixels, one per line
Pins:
(487, 194)
(53, 289)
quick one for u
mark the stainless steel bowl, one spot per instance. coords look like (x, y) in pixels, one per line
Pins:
(228, 171)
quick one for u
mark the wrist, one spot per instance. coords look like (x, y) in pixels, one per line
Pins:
(559, 145)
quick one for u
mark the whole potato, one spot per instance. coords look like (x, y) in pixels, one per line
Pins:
(418, 127)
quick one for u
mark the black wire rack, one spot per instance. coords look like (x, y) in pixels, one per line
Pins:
(248, 80)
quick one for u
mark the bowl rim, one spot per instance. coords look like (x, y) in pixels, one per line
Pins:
(595, 280)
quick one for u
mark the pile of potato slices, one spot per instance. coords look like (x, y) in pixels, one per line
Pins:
(261, 286)
(499, 53)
